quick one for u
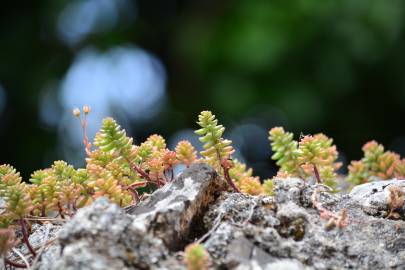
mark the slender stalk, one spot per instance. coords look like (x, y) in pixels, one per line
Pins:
(86, 143)
(138, 184)
(138, 170)
(23, 258)
(229, 179)
(169, 174)
(43, 210)
(14, 264)
(135, 196)
(60, 210)
(25, 237)
(225, 166)
(317, 176)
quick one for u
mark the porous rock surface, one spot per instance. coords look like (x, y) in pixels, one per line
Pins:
(286, 232)
(239, 231)
(103, 236)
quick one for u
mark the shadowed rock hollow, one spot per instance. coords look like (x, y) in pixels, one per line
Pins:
(239, 231)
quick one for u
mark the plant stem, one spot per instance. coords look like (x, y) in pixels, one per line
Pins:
(229, 179)
(14, 264)
(60, 210)
(138, 170)
(42, 210)
(135, 196)
(25, 237)
(226, 173)
(86, 143)
(317, 176)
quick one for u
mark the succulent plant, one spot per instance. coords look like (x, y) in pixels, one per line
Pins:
(124, 172)
(311, 156)
(376, 163)
(268, 187)
(196, 257)
(112, 139)
(285, 149)
(217, 150)
(251, 185)
(186, 153)
(244, 179)
(216, 147)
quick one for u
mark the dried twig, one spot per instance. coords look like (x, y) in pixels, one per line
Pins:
(251, 212)
(33, 218)
(339, 220)
(14, 264)
(23, 258)
(217, 222)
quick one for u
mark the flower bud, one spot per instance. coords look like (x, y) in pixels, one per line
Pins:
(76, 112)
(86, 109)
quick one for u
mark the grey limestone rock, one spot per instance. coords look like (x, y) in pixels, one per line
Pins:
(290, 234)
(104, 236)
(372, 197)
(239, 231)
(169, 213)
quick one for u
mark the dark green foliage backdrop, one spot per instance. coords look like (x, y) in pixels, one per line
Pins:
(331, 66)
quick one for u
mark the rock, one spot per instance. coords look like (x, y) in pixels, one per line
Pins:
(292, 235)
(239, 231)
(101, 237)
(171, 211)
(286, 265)
(372, 197)
(104, 236)
(245, 253)
(287, 190)
(293, 219)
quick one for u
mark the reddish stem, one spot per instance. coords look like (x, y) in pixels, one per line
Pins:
(86, 143)
(60, 210)
(14, 264)
(138, 184)
(42, 210)
(317, 176)
(135, 196)
(25, 237)
(141, 172)
(229, 179)
(169, 174)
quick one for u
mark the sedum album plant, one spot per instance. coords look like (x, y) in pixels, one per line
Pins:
(218, 153)
(217, 150)
(311, 156)
(126, 173)
(376, 163)
(186, 153)
(196, 257)
(116, 168)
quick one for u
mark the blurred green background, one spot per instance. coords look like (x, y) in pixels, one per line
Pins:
(335, 67)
